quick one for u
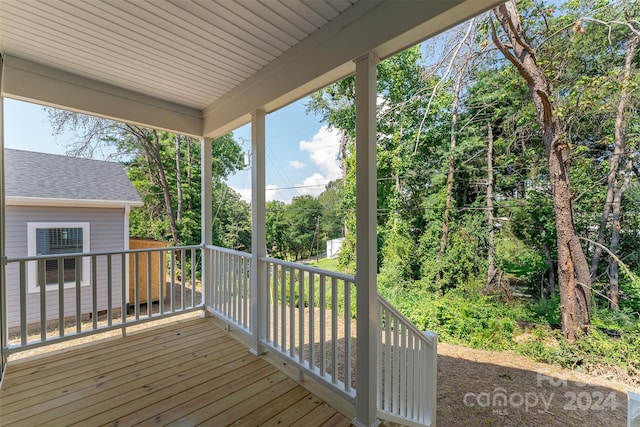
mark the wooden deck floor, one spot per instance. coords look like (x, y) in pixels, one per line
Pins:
(188, 373)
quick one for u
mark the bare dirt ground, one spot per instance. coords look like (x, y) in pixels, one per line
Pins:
(483, 388)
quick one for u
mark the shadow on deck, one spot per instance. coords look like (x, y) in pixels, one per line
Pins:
(188, 372)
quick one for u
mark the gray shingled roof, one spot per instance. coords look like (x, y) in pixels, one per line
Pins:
(51, 176)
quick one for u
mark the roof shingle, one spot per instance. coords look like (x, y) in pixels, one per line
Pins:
(51, 176)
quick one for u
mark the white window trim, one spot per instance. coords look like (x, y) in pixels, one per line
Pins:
(31, 251)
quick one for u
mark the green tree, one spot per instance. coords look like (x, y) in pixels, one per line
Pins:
(278, 244)
(164, 168)
(302, 216)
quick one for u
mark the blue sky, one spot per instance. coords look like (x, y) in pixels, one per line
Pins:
(301, 152)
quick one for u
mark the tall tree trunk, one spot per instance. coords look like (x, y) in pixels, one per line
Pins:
(189, 170)
(619, 149)
(344, 140)
(179, 181)
(552, 268)
(151, 146)
(614, 290)
(573, 270)
(450, 176)
(491, 256)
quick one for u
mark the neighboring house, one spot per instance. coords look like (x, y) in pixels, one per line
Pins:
(59, 204)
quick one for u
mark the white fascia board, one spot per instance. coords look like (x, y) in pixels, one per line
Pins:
(382, 28)
(78, 203)
(33, 82)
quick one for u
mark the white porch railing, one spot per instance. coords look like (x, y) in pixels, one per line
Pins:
(97, 299)
(407, 370)
(310, 315)
(228, 285)
(311, 322)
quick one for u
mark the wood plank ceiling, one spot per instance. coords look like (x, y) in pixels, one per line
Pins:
(201, 60)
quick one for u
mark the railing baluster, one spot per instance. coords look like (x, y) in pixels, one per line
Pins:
(234, 288)
(123, 291)
(221, 275)
(109, 291)
(380, 349)
(136, 285)
(219, 279)
(283, 309)
(225, 283)
(347, 336)
(403, 371)
(173, 281)
(292, 313)
(78, 268)
(396, 367)
(323, 320)
(423, 388)
(94, 292)
(61, 302)
(387, 360)
(183, 261)
(301, 304)
(162, 281)
(193, 276)
(274, 285)
(149, 290)
(241, 291)
(312, 320)
(219, 283)
(334, 330)
(23, 303)
(43, 302)
(215, 267)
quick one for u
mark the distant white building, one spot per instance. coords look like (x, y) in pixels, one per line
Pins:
(333, 247)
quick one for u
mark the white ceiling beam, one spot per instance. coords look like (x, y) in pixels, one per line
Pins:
(33, 82)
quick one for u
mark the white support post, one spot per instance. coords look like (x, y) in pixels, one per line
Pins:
(633, 408)
(258, 233)
(366, 243)
(206, 221)
(3, 227)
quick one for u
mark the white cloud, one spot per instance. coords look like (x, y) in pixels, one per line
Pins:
(296, 164)
(323, 149)
(313, 185)
(272, 192)
(245, 193)
(323, 152)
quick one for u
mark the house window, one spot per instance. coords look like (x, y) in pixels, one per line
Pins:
(57, 239)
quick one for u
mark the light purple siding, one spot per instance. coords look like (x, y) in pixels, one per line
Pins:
(106, 234)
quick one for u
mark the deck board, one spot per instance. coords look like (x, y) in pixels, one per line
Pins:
(186, 373)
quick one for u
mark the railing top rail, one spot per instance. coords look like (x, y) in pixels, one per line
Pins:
(229, 251)
(387, 305)
(8, 260)
(315, 270)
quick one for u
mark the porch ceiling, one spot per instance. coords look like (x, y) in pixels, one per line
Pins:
(200, 67)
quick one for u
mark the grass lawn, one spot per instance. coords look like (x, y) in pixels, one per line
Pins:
(325, 263)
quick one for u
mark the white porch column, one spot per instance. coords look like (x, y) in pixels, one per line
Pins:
(206, 214)
(258, 232)
(366, 243)
(3, 227)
